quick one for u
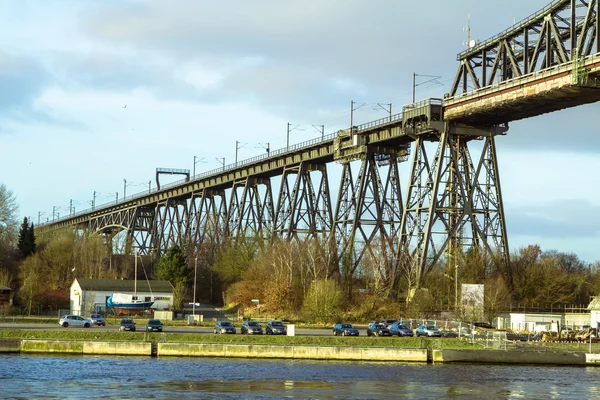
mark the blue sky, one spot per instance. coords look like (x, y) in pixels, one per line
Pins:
(197, 76)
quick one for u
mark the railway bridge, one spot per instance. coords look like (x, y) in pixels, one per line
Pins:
(453, 199)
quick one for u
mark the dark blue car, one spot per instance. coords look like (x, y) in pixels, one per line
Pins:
(345, 330)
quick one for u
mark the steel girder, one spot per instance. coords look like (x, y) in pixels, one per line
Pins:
(137, 221)
(560, 33)
(303, 210)
(169, 224)
(368, 214)
(452, 205)
(206, 217)
(249, 216)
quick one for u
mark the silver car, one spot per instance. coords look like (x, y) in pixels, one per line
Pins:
(74, 320)
(428, 330)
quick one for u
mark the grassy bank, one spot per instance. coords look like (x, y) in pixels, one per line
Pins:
(96, 335)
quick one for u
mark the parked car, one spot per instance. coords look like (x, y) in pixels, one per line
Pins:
(428, 330)
(377, 329)
(97, 319)
(251, 328)
(224, 327)
(386, 322)
(74, 320)
(399, 329)
(345, 330)
(275, 328)
(127, 324)
(154, 325)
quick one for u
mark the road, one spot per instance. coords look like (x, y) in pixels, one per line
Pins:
(167, 329)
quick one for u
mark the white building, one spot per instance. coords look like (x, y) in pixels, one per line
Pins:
(89, 295)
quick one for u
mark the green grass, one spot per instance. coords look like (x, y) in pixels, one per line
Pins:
(97, 335)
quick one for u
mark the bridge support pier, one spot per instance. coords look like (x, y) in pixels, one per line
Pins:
(206, 218)
(368, 216)
(452, 204)
(303, 209)
(249, 216)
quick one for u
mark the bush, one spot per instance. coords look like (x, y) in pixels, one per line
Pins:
(323, 301)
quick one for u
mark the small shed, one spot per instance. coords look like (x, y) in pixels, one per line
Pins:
(522, 322)
(594, 308)
(90, 295)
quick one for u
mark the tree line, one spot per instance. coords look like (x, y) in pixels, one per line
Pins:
(295, 279)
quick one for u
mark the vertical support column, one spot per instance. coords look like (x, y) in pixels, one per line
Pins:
(169, 225)
(452, 206)
(142, 231)
(368, 215)
(303, 210)
(249, 216)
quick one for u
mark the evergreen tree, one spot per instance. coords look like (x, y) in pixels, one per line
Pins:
(26, 243)
(173, 266)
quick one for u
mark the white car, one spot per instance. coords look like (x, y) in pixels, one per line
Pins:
(74, 320)
(428, 330)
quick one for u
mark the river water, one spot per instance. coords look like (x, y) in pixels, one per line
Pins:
(78, 377)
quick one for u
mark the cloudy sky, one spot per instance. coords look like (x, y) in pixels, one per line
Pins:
(92, 93)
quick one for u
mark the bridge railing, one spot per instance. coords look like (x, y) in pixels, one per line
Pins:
(233, 166)
(515, 27)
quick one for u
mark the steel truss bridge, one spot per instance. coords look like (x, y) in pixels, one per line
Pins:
(453, 202)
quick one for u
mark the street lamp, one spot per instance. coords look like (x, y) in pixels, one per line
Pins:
(194, 300)
(456, 287)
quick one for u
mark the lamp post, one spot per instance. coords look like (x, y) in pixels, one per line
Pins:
(194, 299)
(456, 287)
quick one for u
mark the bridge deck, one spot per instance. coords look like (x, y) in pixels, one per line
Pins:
(534, 94)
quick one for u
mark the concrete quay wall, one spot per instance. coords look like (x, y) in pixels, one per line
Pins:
(292, 352)
(557, 357)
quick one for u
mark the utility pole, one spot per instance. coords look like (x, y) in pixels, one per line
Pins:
(290, 128)
(387, 107)
(266, 146)
(238, 145)
(222, 161)
(200, 160)
(194, 299)
(434, 79)
(322, 130)
(94, 200)
(352, 109)
(116, 197)
(71, 207)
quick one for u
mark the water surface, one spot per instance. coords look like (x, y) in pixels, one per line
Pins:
(44, 376)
